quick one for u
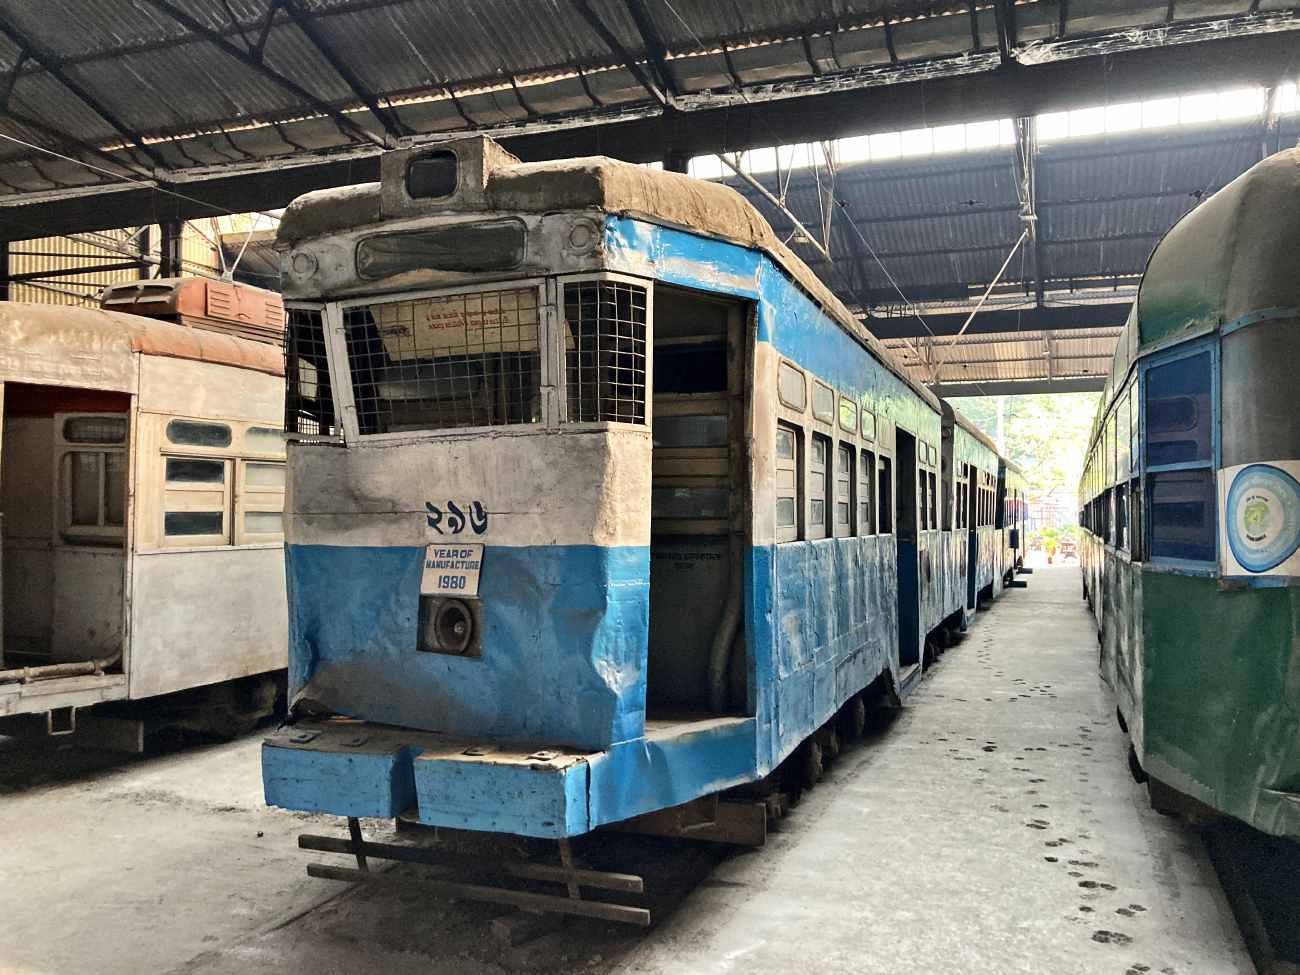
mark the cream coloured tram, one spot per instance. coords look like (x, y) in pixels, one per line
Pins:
(142, 476)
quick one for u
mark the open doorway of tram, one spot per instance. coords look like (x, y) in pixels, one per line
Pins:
(697, 659)
(63, 493)
(909, 603)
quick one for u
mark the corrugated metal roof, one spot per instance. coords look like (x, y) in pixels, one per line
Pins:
(948, 222)
(1063, 354)
(156, 67)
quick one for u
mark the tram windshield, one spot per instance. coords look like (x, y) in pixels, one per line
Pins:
(451, 361)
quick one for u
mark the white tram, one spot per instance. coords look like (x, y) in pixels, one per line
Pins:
(141, 487)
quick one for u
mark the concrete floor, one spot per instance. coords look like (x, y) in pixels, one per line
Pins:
(921, 851)
(994, 828)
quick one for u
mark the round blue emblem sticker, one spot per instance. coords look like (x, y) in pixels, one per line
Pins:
(1263, 516)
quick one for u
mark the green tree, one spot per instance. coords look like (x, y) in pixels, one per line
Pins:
(1046, 434)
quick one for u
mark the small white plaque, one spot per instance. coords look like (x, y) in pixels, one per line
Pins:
(452, 569)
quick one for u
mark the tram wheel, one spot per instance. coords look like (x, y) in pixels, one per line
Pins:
(855, 718)
(1134, 766)
(811, 767)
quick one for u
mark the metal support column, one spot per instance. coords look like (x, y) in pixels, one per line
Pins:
(676, 161)
(146, 268)
(171, 249)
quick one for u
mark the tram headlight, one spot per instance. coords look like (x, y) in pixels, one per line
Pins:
(302, 263)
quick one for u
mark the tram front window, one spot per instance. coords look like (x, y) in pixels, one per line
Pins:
(464, 360)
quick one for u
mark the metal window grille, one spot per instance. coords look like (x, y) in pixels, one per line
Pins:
(309, 399)
(465, 360)
(604, 351)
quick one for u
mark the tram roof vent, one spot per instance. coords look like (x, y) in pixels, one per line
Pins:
(227, 307)
(451, 175)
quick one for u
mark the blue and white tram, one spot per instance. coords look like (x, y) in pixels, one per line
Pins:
(599, 501)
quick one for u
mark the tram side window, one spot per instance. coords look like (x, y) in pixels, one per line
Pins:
(817, 486)
(885, 510)
(934, 502)
(923, 509)
(94, 479)
(469, 360)
(844, 469)
(1179, 431)
(787, 483)
(309, 399)
(604, 357)
(866, 491)
(197, 495)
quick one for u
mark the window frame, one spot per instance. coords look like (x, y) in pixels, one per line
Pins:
(550, 347)
(330, 364)
(850, 479)
(1183, 350)
(795, 465)
(101, 535)
(866, 496)
(825, 525)
(550, 327)
(781, 363)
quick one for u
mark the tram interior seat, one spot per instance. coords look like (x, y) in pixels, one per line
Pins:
(695, 525)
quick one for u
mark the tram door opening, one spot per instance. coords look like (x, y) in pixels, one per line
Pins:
(909, 606)
(63, 479)
(696, 509)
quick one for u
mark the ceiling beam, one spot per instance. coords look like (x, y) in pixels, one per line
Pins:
(385, 116)
(1027, 179)
(254, 61)
(48, 60)
(1020, 387)
(655, 48)
(800, 112)
(999, 320)
(968, 88)
(616, 48)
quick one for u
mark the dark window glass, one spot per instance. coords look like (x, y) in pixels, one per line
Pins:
(497, 246)
(700, 367)
(95, 429)
(308, 400)
(885, 512)
(675, 503)
(1178, 411)
(691, 431)
(785, 512)
(183, 470)
(448, 361)
(192, 523)
(784, 443)
(115, 489)
(431, 177)
(1183, 515)
(85, 487)
(189, 433)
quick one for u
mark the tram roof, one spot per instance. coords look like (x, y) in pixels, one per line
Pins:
(1231, 256)
(90, 346)
(611, 186)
